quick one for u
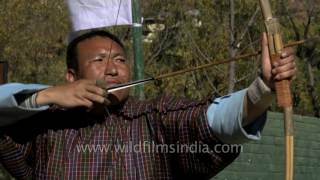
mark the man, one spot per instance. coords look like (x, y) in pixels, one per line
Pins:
(54, 132)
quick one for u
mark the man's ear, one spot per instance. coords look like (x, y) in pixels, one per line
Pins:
(71, 75)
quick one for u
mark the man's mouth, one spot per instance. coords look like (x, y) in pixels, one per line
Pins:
(112, 83)
(106, 84)
(119, 86)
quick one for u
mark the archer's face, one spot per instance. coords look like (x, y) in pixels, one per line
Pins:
(103, 58)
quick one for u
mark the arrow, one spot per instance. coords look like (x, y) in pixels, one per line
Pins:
(176, 73)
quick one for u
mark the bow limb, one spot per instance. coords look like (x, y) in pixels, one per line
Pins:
(283, 92)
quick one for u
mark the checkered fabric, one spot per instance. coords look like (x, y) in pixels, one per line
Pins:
(55, 144)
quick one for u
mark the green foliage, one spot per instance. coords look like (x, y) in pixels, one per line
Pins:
(32, 40)
(182, 45)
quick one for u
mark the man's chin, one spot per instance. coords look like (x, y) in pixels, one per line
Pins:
(117, 97)
(113, 100)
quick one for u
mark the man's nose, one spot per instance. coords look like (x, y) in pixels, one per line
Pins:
(111, 68)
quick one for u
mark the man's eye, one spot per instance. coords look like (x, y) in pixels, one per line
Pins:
(97, 60)
(122, 60)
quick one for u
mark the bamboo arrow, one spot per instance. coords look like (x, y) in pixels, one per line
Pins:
(191, 69)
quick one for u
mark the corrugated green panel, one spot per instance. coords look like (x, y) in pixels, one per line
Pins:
(265, 159)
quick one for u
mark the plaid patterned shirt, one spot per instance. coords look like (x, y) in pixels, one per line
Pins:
(76, 144)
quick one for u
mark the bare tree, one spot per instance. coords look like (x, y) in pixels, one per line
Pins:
(308, 51)
(232, 50)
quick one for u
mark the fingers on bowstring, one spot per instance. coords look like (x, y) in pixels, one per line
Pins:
(96, 90)
(86, 103)
(94, 97)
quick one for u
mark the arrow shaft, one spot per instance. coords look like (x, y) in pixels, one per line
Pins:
(191, 69)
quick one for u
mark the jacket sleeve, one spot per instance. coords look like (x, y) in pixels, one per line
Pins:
(225, 119)
(225, 114)
(11, 95)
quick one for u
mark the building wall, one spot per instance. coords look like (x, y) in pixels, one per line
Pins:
(265, 159)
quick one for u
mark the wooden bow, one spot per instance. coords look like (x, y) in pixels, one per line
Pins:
(283, 92)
